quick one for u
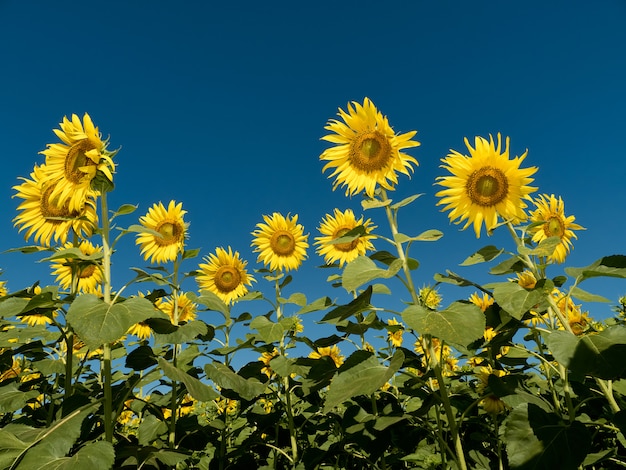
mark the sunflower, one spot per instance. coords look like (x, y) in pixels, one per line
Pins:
(552, 222)
(394, 335)
(330, 351)
(76, 162)
(265, 358)
(225, 275)
(526, 279)
(3, 288)
(46, 220)
(280, 242)
(443, 355)
(170, 225)
(368, 152)
(430, 297)
(186, 308)
(89, 275)
(483, 302)
(336, 226)
(578, 321)
(141, 330)
(485, 185)
(38, 319)
(490, 402)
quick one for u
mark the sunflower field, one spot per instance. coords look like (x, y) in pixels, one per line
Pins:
(102, 375)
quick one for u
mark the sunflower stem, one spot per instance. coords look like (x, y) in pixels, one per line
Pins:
(174, 398)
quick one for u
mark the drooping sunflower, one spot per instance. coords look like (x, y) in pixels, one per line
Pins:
(186, 308)
(280, 242)
(336, 226)
(224, 274)
(485, 185)
(75, 163)
(89, 275)
(171, 226)
(491, 403)
(44, 219)
(550, 213)
(368, 152)
(141, 330)
(331, 351)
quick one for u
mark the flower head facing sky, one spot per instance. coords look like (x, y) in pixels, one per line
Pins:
(172, 229)
(485, 185)
(224, 274)
(367, 153)
(336, 226)
(552, 222)
(280, 242)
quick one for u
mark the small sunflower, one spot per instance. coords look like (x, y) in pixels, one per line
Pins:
(550, 214)
(430, 297)
(265, 358)
(578, 320)
(280, 242)
(75, 163)
(483, 302)
(368, 152)
(89, 275)
(526, 279)
(491, 403)
(141, 330)
(3, 288)
(185, 309)
(394, 335)
(44, 219)
(484, 186)
(38, 319)
(336, 226)
(171, 226)
(225, 275)
(330, 351)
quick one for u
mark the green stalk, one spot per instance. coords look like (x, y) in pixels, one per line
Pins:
(106, 274)
(174, 398)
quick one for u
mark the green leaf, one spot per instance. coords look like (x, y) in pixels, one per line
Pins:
(12, 399)
(599, 354)
(195, 387)
(358, 305)
(516, 301)
(149, 429)
(374, 203)
(508, 266)
(483, 255)
(74, 253)
(545, 247)
(609, 266)
(587, 296)
(268, 330)
(320, 304)
(169, 457)
(247, 389)
(363, 270)
(296, 298)
(187, 332)
(363, 378)
(461, 323)
(97, 322)
(124, 209)
(349, 236)
(12, 306)
(213, 302)
(98, 455)
(429, 236)
(406, 201)
(537, 439)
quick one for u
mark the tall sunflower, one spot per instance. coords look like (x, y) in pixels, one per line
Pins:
(224, 274)
(171, 226)
(368, 152)
(280, 242)
(552, 222)
(44, 219)
(336, 226)
(485, 185)
(89, 275)
(75, 163)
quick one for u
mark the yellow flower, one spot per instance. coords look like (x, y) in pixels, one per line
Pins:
(395, 335)
(3, 288)
(44, 219)
(88, 274)
(430, 297)
(265, 358)
(330, 351)
(141, 330)
(185, 309)
(34, 319)
(226, 405)
(527, 280)
(550, 214)
(367, 151)
(490, 403)
(280, 242)
(75, 163)
(169, 223)
(483, 302)
(225, 275)
(485, 185)
(336, 226)
(578, 320)
(443, 355)
(537, 319)
(14, 371)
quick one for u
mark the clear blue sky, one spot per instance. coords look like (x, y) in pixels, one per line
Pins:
(222, 106)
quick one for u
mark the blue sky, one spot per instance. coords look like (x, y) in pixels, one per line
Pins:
(222, 105)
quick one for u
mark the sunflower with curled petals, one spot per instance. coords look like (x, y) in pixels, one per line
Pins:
(280, 242)
(75, 163)
(41, 216)
(165, 245)
(224, 274)
(88, 274)
(485, 185)
(182, 307)
(336, 226)
(331, 351)
(367, 153)
(552, 222)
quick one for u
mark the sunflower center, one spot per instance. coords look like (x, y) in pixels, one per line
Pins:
(345, 247)
(51, 212)
(370, 151)
(554, 227)
(227, 278)
(487, 186)
(77, 158)
(283, 243)
(87, 272)
(170, 232)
